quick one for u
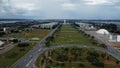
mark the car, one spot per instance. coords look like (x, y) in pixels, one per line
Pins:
(39, 50)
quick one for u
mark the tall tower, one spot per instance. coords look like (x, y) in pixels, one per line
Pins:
(64, 21)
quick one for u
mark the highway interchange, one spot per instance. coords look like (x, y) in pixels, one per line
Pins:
(28, 60)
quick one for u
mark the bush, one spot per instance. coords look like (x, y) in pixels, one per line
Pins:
(117, 62)
(92, 57)
(23, 44)
(47, 43)
(15, 40)
(81, 65)
(2, 33)
(98, 63)
(62, 58)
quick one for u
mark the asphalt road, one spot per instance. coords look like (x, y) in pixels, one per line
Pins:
(26, 61)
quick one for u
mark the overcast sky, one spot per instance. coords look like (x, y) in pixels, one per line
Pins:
(60, 9)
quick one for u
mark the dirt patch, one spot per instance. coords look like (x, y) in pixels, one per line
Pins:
(110, 62)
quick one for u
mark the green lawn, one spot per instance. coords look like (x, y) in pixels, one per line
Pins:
(76, 55)
(10, 57)
(70, 35)
(31, 34)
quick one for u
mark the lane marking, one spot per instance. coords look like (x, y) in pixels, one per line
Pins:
(28, 63)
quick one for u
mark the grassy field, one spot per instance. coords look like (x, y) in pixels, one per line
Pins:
(70, 35)
(39, 33)
(10, 57)
(75, 58)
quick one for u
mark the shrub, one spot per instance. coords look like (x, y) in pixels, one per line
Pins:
(98, 63)
(23, 44)
(15, 40)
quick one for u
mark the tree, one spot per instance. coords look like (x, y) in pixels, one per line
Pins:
(103, 55)
(47, 43)
(98, 63)
(2, 33)
(15, 40)
(81, 65)
(62, 58)
(23, 45)
(92, 37)
(117, 62)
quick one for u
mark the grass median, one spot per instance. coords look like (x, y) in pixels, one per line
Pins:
(70, 35)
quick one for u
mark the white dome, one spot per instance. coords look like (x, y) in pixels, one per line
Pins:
(102, 31)
(1, 43)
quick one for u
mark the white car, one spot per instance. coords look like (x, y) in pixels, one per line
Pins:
(39, 50)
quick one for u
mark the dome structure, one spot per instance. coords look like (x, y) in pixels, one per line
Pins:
(102, 31)
(1, 43)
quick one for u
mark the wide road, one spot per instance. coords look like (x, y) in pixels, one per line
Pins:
(25, 61)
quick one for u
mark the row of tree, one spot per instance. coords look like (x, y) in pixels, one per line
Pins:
(51, 38)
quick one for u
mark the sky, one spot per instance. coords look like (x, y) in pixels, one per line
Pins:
(60, 9)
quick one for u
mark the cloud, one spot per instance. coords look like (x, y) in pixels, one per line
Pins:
(26, 6)
(59, 9)
(69, 6)
(101, 2)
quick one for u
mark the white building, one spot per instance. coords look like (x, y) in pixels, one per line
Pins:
(85, 25)
(102, 31)
(48, 25)
(5, 29)
(64, 22)
(114, 38)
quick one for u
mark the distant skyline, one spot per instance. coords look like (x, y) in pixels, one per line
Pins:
(60, 9)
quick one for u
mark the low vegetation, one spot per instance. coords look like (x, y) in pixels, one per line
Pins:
(39, 33)
(67, 34)
(76, 58)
